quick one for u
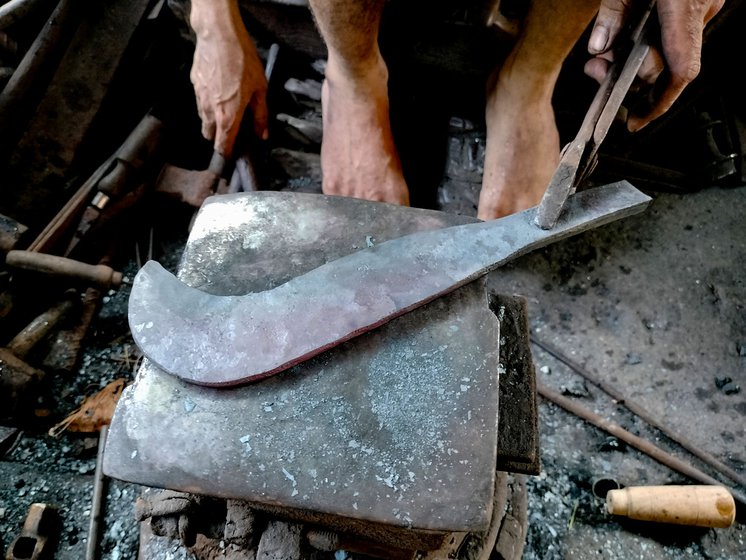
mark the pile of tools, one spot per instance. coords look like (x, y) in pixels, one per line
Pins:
(81, 153)
(101, 147)
(53, 265)
(86, 184)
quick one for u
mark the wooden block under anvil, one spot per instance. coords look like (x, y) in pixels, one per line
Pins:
(395, 428)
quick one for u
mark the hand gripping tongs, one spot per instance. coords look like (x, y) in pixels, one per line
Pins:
(579, 156)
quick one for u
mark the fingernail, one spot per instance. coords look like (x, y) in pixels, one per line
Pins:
(599, 37)
(265, 134)
(634, 125)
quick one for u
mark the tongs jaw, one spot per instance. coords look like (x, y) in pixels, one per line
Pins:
(578, 158)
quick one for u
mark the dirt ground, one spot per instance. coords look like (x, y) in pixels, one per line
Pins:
(653, 305)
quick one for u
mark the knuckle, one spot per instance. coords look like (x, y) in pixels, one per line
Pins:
(687, 72)
(223, 121)
(226, 118)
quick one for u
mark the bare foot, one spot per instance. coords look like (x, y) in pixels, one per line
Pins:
(358, 156)
(522, 149)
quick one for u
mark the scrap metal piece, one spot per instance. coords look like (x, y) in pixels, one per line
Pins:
(227, 340)
(39, 535)
(8, 438)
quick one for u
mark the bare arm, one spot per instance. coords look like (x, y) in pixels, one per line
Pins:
(227, 73)
(671, 70)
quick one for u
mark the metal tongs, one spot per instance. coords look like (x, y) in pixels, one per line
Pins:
(579, 156)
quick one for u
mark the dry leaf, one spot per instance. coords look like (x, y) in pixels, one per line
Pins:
(95, 411)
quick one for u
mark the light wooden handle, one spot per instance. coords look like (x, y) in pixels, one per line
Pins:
(701, 506)
(98, 275)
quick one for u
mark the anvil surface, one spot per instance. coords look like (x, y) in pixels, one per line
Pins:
(397, 426)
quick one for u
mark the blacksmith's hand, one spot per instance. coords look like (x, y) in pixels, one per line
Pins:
(668, 70)
(227, 74)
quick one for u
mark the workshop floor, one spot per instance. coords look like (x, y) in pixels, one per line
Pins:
(654, 305)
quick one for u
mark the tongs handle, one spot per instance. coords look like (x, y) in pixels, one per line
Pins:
(579, 155)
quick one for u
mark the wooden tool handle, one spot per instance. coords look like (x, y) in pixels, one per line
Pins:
(701, 506)
(98, 275)
(38, 329)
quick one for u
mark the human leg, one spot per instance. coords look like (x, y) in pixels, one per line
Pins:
(358, 156)
(522, 139)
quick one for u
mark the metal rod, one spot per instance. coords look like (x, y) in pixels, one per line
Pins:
(244, 176)
(58, 226)
(274, 49)
(98, 497)
(638, 443)
(638, 410)
(42, 57)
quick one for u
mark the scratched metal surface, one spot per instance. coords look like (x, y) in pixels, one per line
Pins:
(218, 340)
(397, 426)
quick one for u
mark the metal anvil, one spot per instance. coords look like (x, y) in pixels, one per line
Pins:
(397, 427)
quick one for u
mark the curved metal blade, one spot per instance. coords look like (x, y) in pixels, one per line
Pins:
(227, 340)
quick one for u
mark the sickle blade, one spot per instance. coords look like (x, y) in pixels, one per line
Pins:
(228, 340)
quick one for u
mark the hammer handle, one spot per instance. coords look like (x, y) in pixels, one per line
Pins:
(98, 275)
(700, 506)
(38, 329)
